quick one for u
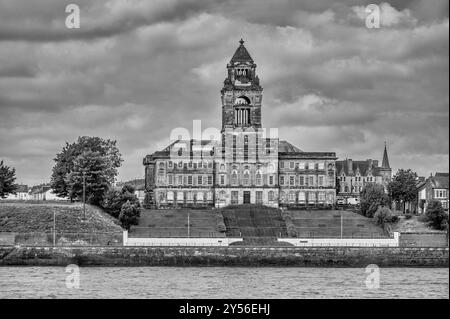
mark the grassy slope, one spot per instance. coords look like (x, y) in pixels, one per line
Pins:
(161, 223)
(25, 217)
(414, 224)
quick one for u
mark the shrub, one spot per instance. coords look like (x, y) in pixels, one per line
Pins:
(436, 217)
(129, 215)
(290, 227)
(220, 224)
(408, 216)
(114, 200)
(384, 216)
(292, 230)
(372, 197)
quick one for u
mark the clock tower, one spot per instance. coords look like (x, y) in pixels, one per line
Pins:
(241, 94)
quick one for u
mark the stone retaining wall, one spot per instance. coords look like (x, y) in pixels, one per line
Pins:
(225, 256)
(419, 239)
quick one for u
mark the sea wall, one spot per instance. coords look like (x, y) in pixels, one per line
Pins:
(333, 242)
(225, 256)
(422, 239)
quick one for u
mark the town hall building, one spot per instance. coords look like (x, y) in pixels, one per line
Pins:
(248, 164)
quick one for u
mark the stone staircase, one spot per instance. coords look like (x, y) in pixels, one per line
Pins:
(257, 225)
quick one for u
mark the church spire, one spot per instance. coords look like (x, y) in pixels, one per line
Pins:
(385, 163)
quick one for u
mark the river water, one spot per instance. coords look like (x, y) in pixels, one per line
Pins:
(222, 282)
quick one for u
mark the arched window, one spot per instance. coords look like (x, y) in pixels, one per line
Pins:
(246, 178)
(234, 178)
(222, 167)
(258, 178)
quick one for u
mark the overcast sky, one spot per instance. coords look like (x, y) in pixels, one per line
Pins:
(135, 70)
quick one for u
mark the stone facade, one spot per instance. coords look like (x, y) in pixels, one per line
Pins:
(354, 175)
(248, 165)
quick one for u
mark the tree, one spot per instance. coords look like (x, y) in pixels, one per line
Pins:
(402, 188)
(114, 200)
(372, 196)
(7, 180)
(129, 215)
(97, 158)
(384, 216)
(435, 216)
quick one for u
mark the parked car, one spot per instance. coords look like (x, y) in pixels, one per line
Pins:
(353, 201)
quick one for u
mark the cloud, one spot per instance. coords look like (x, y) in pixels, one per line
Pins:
(136, 70)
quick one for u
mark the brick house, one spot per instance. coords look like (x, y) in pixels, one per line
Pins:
(433, 188)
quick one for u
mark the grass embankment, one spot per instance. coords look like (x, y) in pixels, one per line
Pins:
(174, 223)
(411, 225)
(27, 217)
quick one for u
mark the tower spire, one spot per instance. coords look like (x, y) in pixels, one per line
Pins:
(385, 163)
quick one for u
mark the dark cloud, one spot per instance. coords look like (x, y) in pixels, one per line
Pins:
(135, 70)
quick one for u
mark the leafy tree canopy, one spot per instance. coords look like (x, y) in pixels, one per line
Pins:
(372, 196)
(7, 180)
(95, 158)
(403, 186)
(435, 216)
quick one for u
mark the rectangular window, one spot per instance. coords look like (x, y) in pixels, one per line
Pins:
(199, 179)
(320, 180)
(234, 197)
(292, 180)
(180, 179)
(281, 180)
(291, 165)
(170, 179)
(180, 196)
(210, 180)
(222, 179)
(302, 180)
(270, 180)
(209, 196)
(190, 180)
(281, 164)
(311, 196)
(199, 197)
(321, 196)
(301, 196)
(311, 181)
(301, 165)
(190, 164)
(321, 165)
(259, 197)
